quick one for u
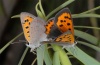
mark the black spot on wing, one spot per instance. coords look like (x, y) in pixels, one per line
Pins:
(60, 38)
(27, 31)
(27, 27)
(65, 17)
(69, 18)
(26, 20)
(68, 24)
(61, 25)
(30, 17)
(66, 41)
(64, 20)
(61, 21)
(69, 29)
(29, 23)
(46, 25)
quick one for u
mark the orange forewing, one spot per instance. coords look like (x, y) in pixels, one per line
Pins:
(49, 25)
(63, 21)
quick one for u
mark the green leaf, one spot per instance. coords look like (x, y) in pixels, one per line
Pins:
(23, 56)
(41, 8)
(47, 58)
(40, 55)
(82, 56)
(89, 45)
(39, 13)
(85, 15)
(87, 27)
(56, 60)
(15, 16)
(91, 10)
(87, 37)
(62, 55)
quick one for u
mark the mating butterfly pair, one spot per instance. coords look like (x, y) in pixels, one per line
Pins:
(59, 29)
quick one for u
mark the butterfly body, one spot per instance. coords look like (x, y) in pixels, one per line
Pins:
(34, 29)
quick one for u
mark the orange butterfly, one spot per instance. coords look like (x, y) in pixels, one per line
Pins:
(60, 29)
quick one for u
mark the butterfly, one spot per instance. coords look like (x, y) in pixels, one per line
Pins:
(33, 28)
(60, 29)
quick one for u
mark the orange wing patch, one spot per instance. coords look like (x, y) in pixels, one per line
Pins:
(64, 21)
(65, 38)
(51, 30)
(49, 25)
(26, 27)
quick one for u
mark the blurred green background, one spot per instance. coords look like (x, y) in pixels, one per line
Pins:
(9, 28)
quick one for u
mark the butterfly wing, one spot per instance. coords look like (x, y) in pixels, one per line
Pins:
(26, 19)
(63, 20)
(34, 29)
(51, 30)
(63, 23)
(66, 39)
(49, 25)
(37, 32)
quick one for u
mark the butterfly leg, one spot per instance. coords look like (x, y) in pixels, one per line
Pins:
(33, 51)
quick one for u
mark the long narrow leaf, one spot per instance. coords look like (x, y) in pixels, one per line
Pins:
(87, 37)
(97, 28)
(41, 8)
(40, 55)
(90, 45)
(62, 55)
(56, 60)
(47, 58)
(82, 56)
(39, 13)
(91, 10)
(85, 15)
(23, 56)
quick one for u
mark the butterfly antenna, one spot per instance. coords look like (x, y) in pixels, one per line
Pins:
(33, 51)
(15, 42)
(19, 41)
(22, 41)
